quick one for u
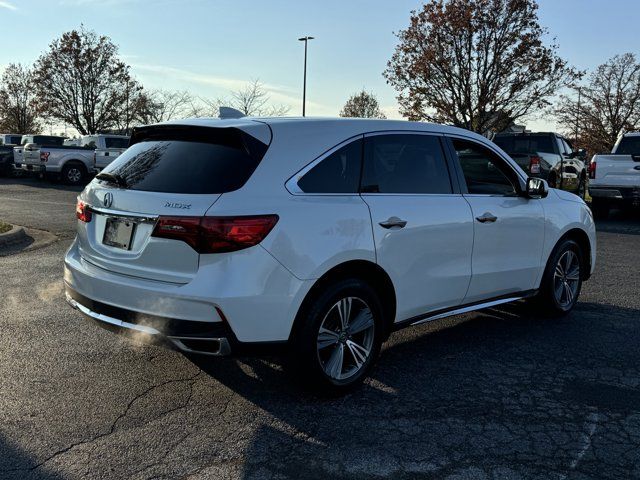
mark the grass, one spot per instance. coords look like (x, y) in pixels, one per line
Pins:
(5, 227)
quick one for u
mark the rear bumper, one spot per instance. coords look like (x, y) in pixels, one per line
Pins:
(617, 193)
(180, 335)
(30, 167)
(247, 298)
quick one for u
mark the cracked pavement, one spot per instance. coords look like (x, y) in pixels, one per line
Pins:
(498, 394)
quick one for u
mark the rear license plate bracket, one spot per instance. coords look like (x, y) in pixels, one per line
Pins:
(118, 233)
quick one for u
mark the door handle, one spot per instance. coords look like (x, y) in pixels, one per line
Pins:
(393, 222)
(486, 218)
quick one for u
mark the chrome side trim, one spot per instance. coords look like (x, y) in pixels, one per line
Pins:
(110, 320)
(468, 309)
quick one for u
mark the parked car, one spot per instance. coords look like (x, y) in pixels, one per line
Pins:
(321, 236)
(49, 156)
(545, 155)
(107, 148)
(615, 178)
(6, 160)
(10, 138)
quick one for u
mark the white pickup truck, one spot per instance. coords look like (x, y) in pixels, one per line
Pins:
(107, 148)
(615, 178)
(48, 155)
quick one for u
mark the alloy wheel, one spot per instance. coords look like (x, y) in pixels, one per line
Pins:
(345, 338)
(74, 175)
(566, 279)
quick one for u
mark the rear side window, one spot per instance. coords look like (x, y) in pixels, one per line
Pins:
(191, 160)
(629, 146)
(405, 163)
(484, 172)
(116, 142)
(47, 141)
(338, 173)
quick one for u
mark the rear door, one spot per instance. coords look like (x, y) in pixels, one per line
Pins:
(168, 172)
(508, 228)
(422, 226)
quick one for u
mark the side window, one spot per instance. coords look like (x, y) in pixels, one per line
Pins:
(405, 163)
(338, 173)
(483, 170)
(567, 147)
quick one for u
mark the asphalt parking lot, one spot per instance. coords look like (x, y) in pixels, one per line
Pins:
(498, 394)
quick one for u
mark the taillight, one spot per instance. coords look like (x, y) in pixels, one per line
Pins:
(534, 164)
(83, 212)
(216, 234)
(592, 169)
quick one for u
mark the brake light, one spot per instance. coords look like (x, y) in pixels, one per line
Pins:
(216, 234)
(592, 169)
(534, 164)
(44, 156)
(83, 212)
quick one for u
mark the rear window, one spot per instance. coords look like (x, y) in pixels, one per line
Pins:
(526, 144)
(629, 146)
(47, 141)
(188, 160)
(116, 142)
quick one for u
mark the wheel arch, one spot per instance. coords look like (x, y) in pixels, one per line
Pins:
(582, 239)
(365, 270)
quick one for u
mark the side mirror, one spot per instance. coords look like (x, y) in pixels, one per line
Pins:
(537, 188)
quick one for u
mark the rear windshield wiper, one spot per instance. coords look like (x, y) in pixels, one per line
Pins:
(112, 178)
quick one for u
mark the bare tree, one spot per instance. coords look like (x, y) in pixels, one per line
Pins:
(18, 112)
(363, 105)
(607, 104)
(476, 64)
(253, 100)
(170, 104)
(82, 82)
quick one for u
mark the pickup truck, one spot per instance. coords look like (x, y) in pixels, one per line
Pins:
(615, 178)
(49, 156)
(7, 142)
(546, 155)
(107, 148)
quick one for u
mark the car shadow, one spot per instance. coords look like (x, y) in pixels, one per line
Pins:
(625, 221)
(15, 464)
(503, 367)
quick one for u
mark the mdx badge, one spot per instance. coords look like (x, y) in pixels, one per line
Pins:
(184, 206)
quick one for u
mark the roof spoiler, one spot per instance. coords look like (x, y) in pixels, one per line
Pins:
(228, 112)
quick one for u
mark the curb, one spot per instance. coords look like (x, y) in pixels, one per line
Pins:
(15, 235)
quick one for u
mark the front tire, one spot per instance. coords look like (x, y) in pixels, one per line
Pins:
(338, 337)
(562, 280)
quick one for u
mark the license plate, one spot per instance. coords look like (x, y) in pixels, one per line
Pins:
(118, 233)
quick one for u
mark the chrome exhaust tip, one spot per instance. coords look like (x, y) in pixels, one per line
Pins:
(203, 346)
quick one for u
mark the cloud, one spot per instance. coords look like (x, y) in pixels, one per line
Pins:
(279, 93)
(7, 5)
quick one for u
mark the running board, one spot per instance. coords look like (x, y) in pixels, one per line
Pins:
(467, 309)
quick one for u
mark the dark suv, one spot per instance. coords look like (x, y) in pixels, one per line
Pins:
(545, 155)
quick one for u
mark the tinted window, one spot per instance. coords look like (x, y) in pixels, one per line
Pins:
(526, 143)
(483, 170)
(189, 160)
(15, 140)
(47, 141)
(629, 146)
(116, 142)
(338, 173)
(404, 164)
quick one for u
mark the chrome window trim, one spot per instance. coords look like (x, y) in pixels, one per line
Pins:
(138, 217)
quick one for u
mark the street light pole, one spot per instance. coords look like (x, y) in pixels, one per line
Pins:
(304, 84)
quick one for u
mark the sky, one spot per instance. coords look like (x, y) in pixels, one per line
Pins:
(211, 47)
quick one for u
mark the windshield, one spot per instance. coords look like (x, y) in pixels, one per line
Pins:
(115, 142)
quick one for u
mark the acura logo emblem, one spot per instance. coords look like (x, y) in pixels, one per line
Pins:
(107, 201)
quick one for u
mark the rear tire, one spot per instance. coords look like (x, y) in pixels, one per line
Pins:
(73, 174)
(338, 337)
(562, 280)
(582, 187)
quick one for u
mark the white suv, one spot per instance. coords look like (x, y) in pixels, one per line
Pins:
(321, 235)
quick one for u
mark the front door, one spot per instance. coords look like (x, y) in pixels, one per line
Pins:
(422, 227)
(508, 228)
